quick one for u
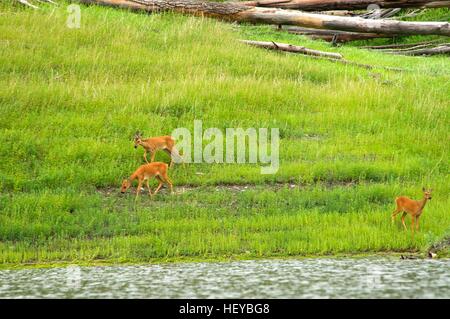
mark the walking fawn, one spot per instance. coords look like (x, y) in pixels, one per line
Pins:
(153, 144)
(412, 207)
(146, 172)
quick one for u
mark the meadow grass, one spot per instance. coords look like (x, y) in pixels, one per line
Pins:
(351, 138)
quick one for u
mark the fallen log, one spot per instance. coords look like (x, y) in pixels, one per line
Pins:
(437, 4)
(241, 13)
(323, 5)
(343, 38)
(341, 13)
(303, 31)
(444, 49)
(380, 14)
(292, 48)
(334, 35)
(327, 56)
(389, 14)
(361, 65)
(414, 13)
(397, 46)
(26, 3)
(416, 47)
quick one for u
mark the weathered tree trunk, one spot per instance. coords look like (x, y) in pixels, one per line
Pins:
(443, 49)
(438, 4)
(420, 48)
(292, 48)
(343, 38)
(334, 57)
(416, 47)
(28, 4)
(316, 5)
(398, 46)
(334, 35)
(241, 13)
(380, 14)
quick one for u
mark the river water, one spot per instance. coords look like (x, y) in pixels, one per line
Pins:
(293, 278)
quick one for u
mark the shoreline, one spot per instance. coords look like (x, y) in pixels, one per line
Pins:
(221, 259)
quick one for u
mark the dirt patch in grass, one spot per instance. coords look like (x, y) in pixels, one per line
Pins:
(234, 188)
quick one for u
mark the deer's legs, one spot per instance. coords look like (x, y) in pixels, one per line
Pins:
(174, 152)
(417, 223)
(403, 220)
(148, 187)
(413, 224)
(164, 179)
(171, 160)
(171, 156)
(395, 213)
(25, 2)
(138, 189)
(152, 159)
(145, 156)
(159, 185)
(168, 181)
(158, 188)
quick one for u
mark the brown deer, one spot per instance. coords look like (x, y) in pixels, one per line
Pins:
(154, 144)
(144, 173)
(412, 207)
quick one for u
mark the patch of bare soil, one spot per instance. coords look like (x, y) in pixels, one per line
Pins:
(235, 188)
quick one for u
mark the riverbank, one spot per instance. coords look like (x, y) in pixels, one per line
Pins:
(207, 223)
(392, 255)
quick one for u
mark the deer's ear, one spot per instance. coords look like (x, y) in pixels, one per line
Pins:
(423, 189)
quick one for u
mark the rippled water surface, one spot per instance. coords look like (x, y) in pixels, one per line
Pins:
(306, 278)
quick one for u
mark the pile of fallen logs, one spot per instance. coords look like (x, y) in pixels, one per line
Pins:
(420, 48)
(292, 48)
(330, 20)
(325, 5)
(375, 9)
(333, 35)
(331, 56)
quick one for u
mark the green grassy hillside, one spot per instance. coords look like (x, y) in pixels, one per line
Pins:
(351, 140)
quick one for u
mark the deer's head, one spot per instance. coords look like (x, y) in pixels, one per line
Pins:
(125, 185)
(137, 139)
(427, 192)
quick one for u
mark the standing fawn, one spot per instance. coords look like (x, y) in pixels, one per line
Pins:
(412, 207)
(154, 144)
(145, 172)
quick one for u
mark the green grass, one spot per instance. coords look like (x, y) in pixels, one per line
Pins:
(70, 100)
